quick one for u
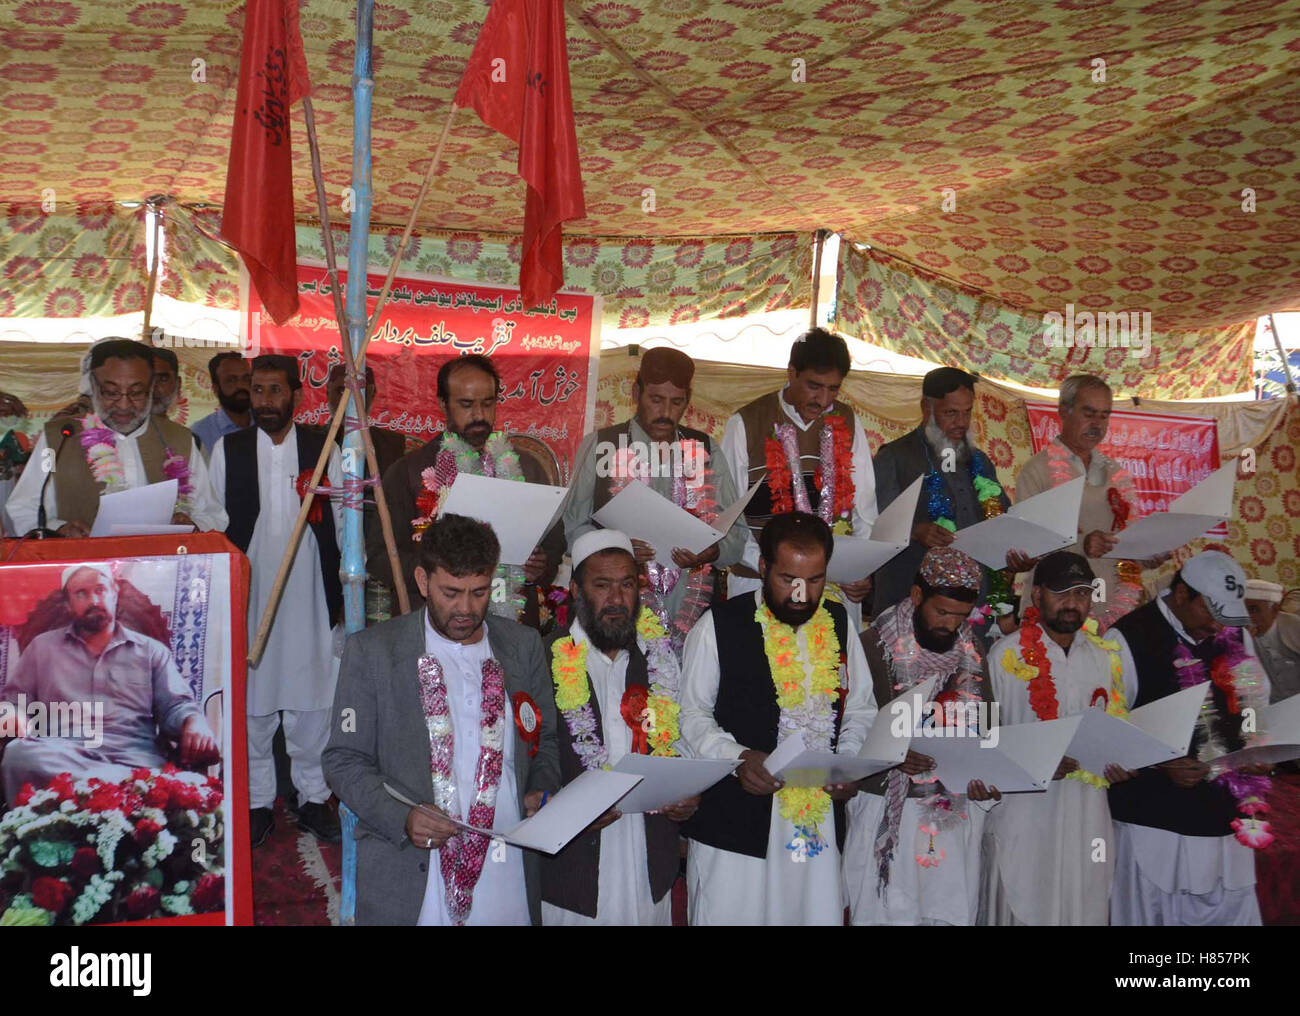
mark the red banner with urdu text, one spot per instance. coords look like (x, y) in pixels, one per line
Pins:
(1166, 455)
(544, 355)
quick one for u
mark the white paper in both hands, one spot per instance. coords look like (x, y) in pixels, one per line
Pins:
(881, 743)
(1024, 760)
(150, 505)
(666, 780)
(856, 557)
(797, 766)
(644, 514)
(519, 513)
(1037, 525)
(1189, 516)
(1156, 732)
(567, 813)
(1276, 738)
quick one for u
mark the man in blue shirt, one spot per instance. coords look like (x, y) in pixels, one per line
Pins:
(232, 378)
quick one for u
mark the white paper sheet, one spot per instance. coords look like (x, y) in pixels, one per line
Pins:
(1024, 759)
(1037, 525)
(519, 513)
(667, 780)
(1153, 733)
(150, 505)
(902, 712)
(643, 514)
(1276, 738)
(797, 766)
(856, 557)
(567, 813)
(1189, 516)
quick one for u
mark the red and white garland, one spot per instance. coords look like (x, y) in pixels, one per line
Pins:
(461, 858)
(833, 476)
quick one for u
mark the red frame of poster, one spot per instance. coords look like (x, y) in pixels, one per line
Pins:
(240, 868)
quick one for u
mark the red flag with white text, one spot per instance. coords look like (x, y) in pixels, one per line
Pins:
(257, 216)
(517, 80)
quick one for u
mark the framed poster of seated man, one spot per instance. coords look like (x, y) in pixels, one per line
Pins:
(122, 753)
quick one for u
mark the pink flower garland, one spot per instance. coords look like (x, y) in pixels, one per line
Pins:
(461, 858)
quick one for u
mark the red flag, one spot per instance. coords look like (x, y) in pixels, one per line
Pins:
(257, 217)
(517, 80)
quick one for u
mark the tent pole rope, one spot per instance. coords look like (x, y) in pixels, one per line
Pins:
(819, 245)
(151, 206)
(350, 362)
(277, 591)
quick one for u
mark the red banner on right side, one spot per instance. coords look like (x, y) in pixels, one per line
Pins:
(1166, 455)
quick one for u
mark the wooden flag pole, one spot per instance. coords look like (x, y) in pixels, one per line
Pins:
(277, 590)
(340, 315)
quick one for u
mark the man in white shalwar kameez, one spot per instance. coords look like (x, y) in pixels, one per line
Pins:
(255, 473)
(761, 853)
(1049, 858)
(621, 870)
(913, 851)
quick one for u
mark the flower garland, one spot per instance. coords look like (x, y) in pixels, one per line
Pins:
(658, 717)
(833, 476)
(455, 456)
(1121, 497)
(100, 445)
(807, 707)
(909, 664)
(1036, 671)
(1237, 675)
(988, 492)
(461, 857)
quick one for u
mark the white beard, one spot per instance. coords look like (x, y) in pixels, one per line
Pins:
(939, 441)
(131, 428)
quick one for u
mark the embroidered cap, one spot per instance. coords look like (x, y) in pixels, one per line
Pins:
(1218, 578)
(1269, 592)
(1062, 571)
(663, 363)
(949, 568)
(597, 540)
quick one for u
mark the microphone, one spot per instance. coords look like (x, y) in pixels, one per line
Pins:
(40, 532)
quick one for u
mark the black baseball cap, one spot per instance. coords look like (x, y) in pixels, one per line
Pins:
(1063, 571)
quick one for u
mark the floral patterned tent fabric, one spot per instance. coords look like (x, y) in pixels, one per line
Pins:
(1123, 156)
(642, 280)
(890, 304)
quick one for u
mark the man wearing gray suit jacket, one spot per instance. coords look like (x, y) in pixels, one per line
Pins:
(457, 712)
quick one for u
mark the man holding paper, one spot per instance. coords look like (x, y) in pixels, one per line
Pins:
(758, 670)
(414, 485)
(260, 475)
(119, 446)
(683, 465)
(1049, 857)
(1185, 842)
(1277, 637)
(616, 691)
(811, 452)
(913, 849)
(1109, 497)
(961, 486)
(456, 712)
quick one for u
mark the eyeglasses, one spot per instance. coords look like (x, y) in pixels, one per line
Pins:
(138, 394)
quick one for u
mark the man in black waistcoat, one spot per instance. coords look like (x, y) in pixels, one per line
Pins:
(621, 870)
(259, 474)
(758, 669)
(1180, 837)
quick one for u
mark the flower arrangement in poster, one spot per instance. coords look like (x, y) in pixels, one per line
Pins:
(87, 851)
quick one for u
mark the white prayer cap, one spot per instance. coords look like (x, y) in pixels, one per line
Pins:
(597, 540)
(1218, 577)
(1269, 592)
(99, 566)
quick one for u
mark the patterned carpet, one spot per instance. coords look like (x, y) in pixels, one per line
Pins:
(295, 879)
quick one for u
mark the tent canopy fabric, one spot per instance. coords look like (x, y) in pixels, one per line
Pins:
(1139, 157)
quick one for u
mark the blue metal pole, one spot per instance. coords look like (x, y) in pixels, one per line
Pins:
(353, 571)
